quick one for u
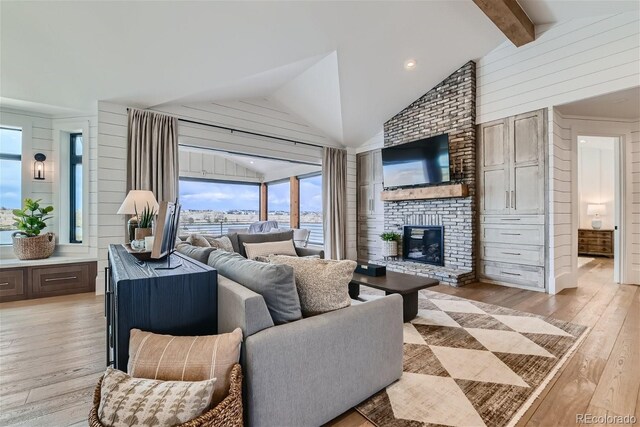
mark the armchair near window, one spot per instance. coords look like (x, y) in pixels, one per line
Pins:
(301, 237)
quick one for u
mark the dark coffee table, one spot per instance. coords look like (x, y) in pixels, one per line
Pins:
(406, 285)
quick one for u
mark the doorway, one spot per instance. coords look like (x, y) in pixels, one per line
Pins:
(599, 206)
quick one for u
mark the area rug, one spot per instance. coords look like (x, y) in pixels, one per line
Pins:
(468, 363)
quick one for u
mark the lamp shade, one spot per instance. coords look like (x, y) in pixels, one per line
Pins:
(596, 209)
(137, 199)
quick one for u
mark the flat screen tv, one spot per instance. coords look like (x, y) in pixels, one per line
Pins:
(421, 162)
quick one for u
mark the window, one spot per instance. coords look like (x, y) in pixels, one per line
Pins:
(10, 180)
(311, 207)
(75, 188)
(279, 203)
(211, 207)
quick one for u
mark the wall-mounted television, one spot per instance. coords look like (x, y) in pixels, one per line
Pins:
(421, 162)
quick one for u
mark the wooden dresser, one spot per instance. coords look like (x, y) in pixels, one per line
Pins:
(595, 242)
(48, 279)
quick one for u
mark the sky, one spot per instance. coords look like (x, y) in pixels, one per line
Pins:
(10, 173)
(199, 195)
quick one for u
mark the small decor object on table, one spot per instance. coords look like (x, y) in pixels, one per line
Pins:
(390, 244)
(145, 223)
(130, 205)
(596, 210)
(30, 221)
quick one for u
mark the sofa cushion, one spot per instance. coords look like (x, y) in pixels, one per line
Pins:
(221, 242)
(255, 250)
(128, 401)
(261, 238)
(323, 285)
(276, 283)
(198, 253)
(165, 357)
(198, 240)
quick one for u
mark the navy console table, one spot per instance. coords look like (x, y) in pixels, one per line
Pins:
(181, 301)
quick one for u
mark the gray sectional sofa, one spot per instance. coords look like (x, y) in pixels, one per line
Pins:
(308, 371)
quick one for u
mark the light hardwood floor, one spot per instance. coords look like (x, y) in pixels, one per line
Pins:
(52, 352)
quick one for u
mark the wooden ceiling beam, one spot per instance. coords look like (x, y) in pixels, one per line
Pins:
(509, 17)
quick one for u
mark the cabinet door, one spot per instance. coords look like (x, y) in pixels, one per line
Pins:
(527, 163)
(376, 167)
(493, 185)
(364, 199)
(364, 168)
(377, 204)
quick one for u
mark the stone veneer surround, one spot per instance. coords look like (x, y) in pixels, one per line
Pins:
(450, 107)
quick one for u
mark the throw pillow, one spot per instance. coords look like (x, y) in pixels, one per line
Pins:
(323, 285)
(196, 252)
(261, 238)
(198, 240)
(254, 250)
(165, 357)
(222, 243)
(127, 401)
(276, 283)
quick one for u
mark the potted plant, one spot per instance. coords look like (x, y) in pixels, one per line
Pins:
(30, 221)
(389, 243)
(145, 223)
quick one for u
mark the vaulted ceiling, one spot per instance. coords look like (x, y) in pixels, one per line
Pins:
(338, 65)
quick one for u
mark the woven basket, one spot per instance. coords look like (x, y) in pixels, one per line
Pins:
(37, 247)
(227, 413)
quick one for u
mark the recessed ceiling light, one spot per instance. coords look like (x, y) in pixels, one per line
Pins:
(410, 64)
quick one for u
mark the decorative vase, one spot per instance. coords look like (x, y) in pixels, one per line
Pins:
(36, 247)
(141, 233)
(389, 248)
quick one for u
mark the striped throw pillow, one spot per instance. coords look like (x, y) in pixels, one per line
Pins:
(169, 358)
(284, 247)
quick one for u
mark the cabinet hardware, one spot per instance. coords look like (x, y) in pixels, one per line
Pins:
(511, 234)
(511, 253)
(506, 199)
(513, 199)
(510, 219)
(4, 284)
(55, 279)
(511, 274)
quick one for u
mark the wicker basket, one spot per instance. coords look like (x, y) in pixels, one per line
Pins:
(37, 247)
(227, 413)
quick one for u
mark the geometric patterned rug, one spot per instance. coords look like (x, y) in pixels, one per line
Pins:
(468, 363)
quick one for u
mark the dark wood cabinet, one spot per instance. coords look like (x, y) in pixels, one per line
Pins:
(595, 242)
(47, 280)
(180, 301)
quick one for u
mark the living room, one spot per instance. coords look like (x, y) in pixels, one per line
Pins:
(353, 214)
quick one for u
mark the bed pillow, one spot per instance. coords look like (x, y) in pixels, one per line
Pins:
(126, 401)
(165, 357)
(323, 285)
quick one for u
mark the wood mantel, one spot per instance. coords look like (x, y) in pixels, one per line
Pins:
(424, 193)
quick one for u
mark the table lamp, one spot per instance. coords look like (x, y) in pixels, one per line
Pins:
(135, 201)
(595, 210)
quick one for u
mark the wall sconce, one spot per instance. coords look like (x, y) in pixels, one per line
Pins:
(38, 166)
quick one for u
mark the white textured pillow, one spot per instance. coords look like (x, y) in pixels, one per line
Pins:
(128, 401)
(323, 284)
(223, 243)
(284, 247)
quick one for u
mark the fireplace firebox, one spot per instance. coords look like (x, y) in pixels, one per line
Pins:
(423, 244)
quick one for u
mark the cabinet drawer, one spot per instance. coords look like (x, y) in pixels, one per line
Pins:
(512, 219)
(516, 254)
(62, 280)
(514, 274)
(12, 285)
(513, 234)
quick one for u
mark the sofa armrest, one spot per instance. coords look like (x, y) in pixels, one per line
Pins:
(240, 307)
(307, 372)
(310, 252)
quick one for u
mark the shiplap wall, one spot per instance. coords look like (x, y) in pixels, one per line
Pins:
(260, 116)
(570, 61)
(199, 164)
(562, 234)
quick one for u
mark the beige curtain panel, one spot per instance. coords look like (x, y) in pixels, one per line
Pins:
(334, 200)
(152, 142)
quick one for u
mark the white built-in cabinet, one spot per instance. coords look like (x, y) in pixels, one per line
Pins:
(511, 196)
(370, 205)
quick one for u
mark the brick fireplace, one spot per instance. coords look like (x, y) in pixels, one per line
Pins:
(447, 108)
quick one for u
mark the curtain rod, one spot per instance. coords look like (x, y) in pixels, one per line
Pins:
(232, 130)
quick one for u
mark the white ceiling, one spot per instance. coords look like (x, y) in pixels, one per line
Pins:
(339, 65)
(617, 105)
